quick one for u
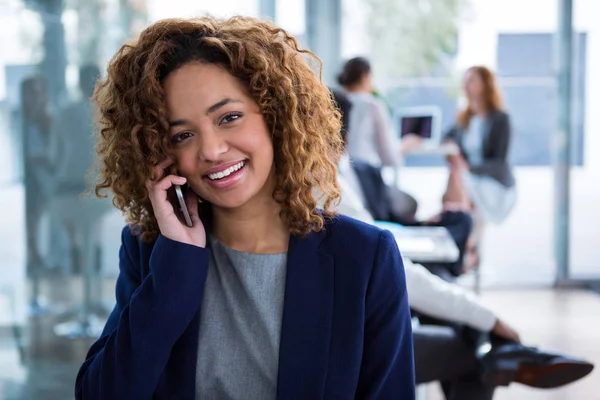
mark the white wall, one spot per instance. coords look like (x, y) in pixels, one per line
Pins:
(160, 9)
(355, 41)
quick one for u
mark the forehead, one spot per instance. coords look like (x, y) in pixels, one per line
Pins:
(201, 83)
(472, 75)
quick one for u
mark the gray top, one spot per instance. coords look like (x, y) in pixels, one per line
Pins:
(240, 325)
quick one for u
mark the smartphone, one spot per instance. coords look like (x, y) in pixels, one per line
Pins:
(177, 198)
(183, 205)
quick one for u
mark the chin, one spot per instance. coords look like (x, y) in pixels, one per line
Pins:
(229, 204)
(231, 200)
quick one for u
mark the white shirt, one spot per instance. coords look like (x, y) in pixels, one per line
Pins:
(371, 138)
(427, 293)
(473, 140)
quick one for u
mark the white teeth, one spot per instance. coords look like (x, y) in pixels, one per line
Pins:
(227, 172)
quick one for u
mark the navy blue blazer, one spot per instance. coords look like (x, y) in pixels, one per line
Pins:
(346, 329)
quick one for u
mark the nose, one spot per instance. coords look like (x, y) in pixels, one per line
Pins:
(211, 145)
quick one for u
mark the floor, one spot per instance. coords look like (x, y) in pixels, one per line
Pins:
(565, 321)
(48, 370)
(558, 321)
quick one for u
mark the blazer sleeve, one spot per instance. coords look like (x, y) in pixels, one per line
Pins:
(387, 370)
(150, 315)
(451, 135)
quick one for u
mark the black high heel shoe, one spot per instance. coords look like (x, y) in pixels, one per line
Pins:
(529, 366)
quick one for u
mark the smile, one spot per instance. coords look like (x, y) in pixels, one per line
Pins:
(224, 174)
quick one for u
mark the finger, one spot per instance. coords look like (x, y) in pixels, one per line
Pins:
(159, 170)
(191, 199)
(169, 181)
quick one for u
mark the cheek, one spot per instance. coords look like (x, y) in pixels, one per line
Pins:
(469, 87)
(185, 162)
(259, 144)
(264, 149)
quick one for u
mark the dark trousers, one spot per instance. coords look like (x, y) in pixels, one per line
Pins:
(459, 224)
(443, 354)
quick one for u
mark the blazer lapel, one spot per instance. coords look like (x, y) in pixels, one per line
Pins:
(489, 123)
(306, 325)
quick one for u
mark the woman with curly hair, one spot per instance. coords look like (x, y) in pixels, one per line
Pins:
(264, 296)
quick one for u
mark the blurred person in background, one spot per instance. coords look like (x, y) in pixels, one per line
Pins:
(40, 163)
(480, 175)
(460, 342)
(371, 138)
(230, 111)
(73, 128)
(371, 144)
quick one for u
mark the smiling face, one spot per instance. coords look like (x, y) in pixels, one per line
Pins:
(220, 140)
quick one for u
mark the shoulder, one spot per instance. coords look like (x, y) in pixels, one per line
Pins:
(349, 237)
(363, 99)
(131, 237)
(364, 256)
(132, 245)
(351, 227)
(500, 116)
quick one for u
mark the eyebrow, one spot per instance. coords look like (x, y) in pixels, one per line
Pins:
(220, 104)
(209, 110)
(178, 122)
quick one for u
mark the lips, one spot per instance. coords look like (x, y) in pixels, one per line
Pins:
(224, 171)
(226, 175)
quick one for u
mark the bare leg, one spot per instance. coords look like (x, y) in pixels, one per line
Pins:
(472, 252)
(456, 194)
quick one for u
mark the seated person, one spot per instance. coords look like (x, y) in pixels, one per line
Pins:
(367, 182)
(446, 351)
(382, 201)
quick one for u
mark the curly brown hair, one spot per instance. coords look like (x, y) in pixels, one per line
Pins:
(298, 109)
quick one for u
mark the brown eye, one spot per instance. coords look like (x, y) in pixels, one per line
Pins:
(228, 118)
(180, 137)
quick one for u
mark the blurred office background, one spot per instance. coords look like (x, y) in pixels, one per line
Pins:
(537, 266)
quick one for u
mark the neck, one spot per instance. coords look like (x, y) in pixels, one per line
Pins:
(252, 228)
(359, 88)
(477, 107)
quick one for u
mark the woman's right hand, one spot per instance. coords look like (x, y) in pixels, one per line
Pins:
(169, 224)
(409, 143)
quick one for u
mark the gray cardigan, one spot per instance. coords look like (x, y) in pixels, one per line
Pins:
(495, 148)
